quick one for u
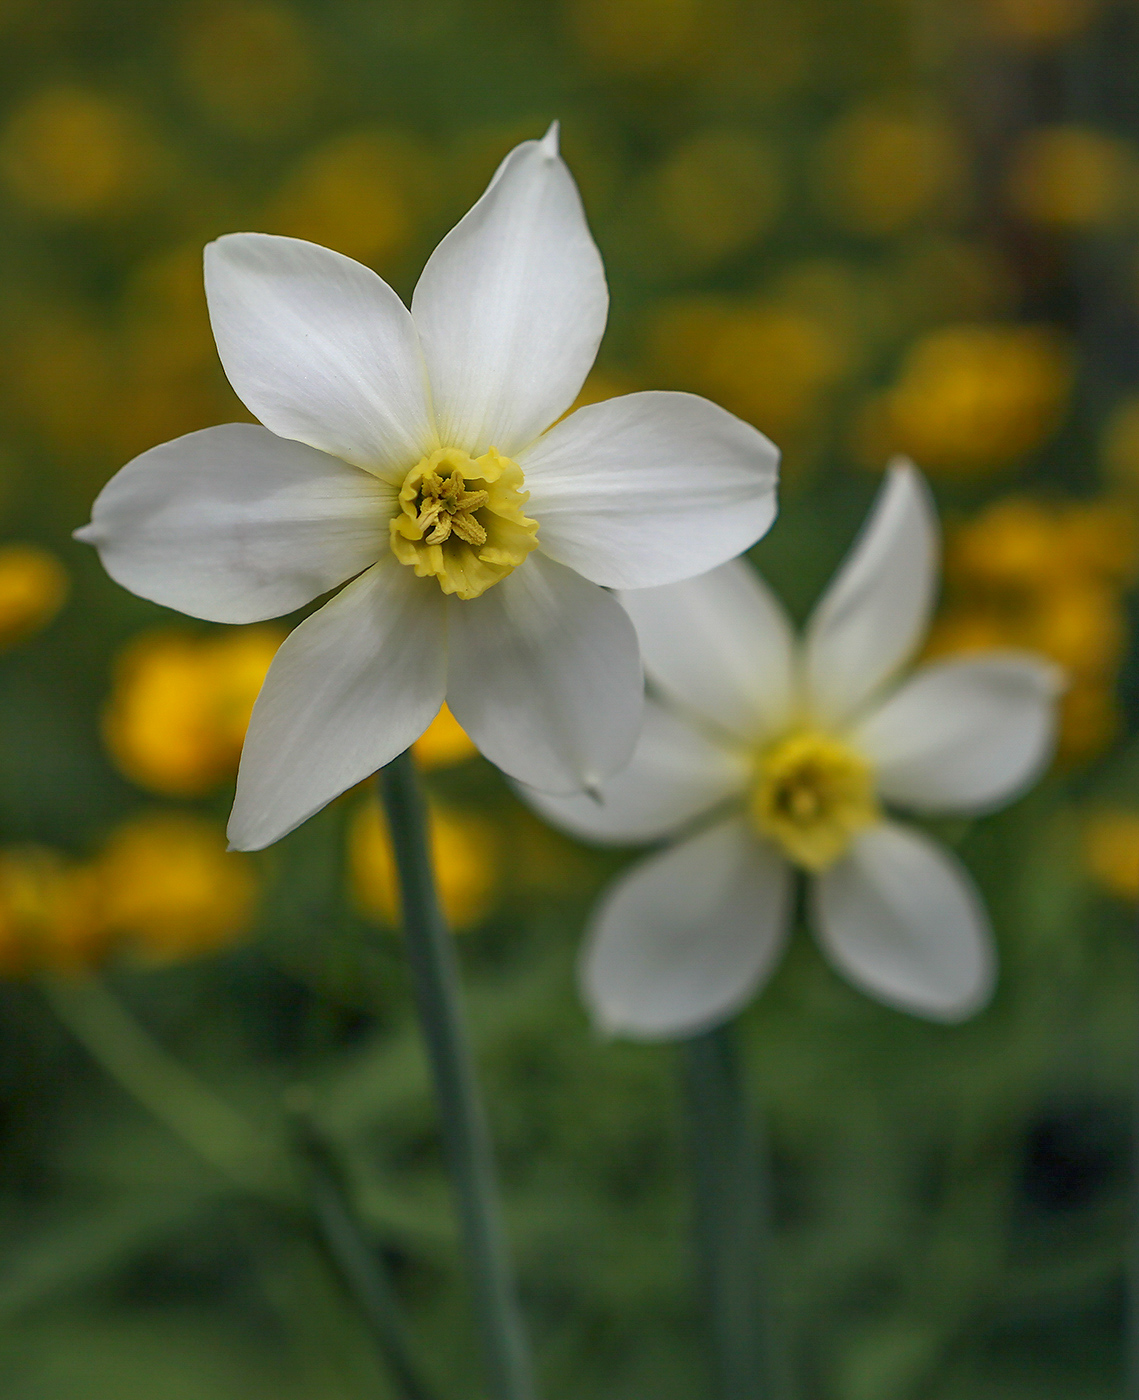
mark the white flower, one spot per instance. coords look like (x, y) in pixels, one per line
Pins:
(764, 755)
(411, 452)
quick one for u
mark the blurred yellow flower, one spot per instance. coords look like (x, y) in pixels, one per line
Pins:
(165, 321)
(47, 913)
(250, 67)
(33, 588)
(881, 171)
(170, 381)
(443, 743)
(1119, 446)
(971, 399)
(1111, 851)
(769, 364)
(717, 192)
(74, 153)
(361, 194)
(1072, 178)
(168, 888)
(636, 36)
(180, 705)
(58, 348)
(1050, 578)
(1039, 23)
(466, 855)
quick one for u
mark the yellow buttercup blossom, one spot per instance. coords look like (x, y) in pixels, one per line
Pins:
(974, 398)
(443, 743)
(361, 193)
(461, 522)
(717, 192)
(1051, 578)
(58, 347)
(180, 706)
(812, 794)
(73, 153)
(634, 36)
(250, 67)
(882, 171)
(1119, 446)
(1040, 24)
(48, 914)
(1111, 851)
(33, 588)
(169, 889)
(1071, 178)
(465, 855)
(769, 364)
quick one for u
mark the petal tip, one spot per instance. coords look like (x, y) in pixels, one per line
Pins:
(549, 142)
(86, 534)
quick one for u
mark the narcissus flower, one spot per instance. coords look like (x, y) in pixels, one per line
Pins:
(763, 756)
(411, 452)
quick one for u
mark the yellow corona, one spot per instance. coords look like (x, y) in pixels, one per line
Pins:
(812, 795)
(460, 520)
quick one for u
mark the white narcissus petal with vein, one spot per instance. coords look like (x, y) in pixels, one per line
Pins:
(598, 478)
(792, 751)
(685, 938)
(235, 524)
(901, 917)
(871, 619)
(512, 305)
(676, 775)
(533, 662)
(965, 735)
(349, 690)
(722, 646)
(320, 349)
(406, 447)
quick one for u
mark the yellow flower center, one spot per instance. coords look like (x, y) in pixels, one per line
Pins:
(460, 520)
(812, 794)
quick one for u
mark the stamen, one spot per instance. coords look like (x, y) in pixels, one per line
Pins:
(467, 539)
(812, 795)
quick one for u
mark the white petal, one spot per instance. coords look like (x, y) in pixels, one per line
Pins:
(545, 677)
(351, 688)
(964, 735)
(511, 306)
(235, 524)
(902, 919)
(320, 349)
(875, 613)
(684, 940)
(675, 775)
(722, 646)
(650, 488)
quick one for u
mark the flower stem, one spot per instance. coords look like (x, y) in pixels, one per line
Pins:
(129, 1055)
(731, 1220)
(465, 1134)
(359, 1264)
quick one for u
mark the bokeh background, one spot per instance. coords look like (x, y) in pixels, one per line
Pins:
(868, 226)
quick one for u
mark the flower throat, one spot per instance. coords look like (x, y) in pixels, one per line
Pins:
(460, 520)
(812, 794)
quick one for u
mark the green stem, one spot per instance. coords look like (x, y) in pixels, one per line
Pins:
(731, 1220)
(465, 1134)
(360, 1265)
(128, 1054)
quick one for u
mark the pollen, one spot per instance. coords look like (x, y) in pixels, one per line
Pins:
(460, 520)
(812, 795)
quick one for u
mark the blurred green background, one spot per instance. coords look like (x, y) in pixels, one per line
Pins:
(868, 226)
